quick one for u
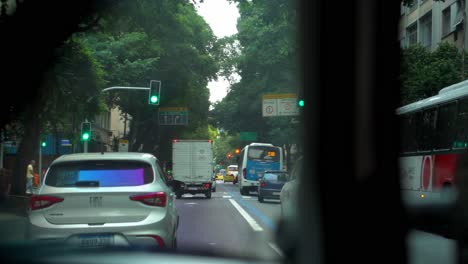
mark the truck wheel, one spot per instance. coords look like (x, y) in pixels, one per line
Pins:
(179, 195)
(208, 194)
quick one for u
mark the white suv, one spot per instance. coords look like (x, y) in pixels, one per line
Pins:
(104, 199)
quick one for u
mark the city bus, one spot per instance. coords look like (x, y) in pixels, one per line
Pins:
(434, 144)
(254, 160)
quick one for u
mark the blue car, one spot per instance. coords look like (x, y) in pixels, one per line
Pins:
(270, 185)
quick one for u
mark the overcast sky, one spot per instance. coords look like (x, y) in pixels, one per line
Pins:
(222, 18)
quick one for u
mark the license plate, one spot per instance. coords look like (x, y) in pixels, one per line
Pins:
(93, 241)
(276, 193)
(193, 188)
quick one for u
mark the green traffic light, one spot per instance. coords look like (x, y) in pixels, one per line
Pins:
(43, 144)
(300, 103)
(154, 99)
(85, 136)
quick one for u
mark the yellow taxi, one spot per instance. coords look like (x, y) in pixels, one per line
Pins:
(220, 174)
(231, 174)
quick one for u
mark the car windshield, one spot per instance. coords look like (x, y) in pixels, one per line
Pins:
(104, 173)
(208, 89)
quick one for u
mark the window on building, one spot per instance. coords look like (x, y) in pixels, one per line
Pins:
(412, 34)
(446, 21)
(412, 5)
(426, 30)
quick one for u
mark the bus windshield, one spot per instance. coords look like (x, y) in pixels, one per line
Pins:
(264, 154)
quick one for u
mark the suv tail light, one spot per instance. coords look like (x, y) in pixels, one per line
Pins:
(263, 184)
(207, 185)
(244, 173)
(42, 201)
(152, 199)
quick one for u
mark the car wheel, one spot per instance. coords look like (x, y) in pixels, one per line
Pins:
(214, 190)
(208, 194)
(179, 195)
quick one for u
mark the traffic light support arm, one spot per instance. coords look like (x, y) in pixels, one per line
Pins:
(125, 88)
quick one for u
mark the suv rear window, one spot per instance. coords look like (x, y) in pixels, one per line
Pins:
(110, 173)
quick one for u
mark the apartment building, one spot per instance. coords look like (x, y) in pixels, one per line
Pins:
(430, 22)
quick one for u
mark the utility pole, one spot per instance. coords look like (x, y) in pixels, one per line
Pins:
(462, 3)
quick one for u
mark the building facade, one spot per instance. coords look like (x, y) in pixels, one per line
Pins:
(430, 22)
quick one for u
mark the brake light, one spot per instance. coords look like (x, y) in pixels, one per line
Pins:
(174, 141)
(207, 185)
(263, 184)
(43, 201)
(244, 173)
(152, 199)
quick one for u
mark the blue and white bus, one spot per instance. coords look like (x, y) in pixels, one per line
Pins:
(254, 160)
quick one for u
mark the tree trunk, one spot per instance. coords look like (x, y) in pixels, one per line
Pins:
(57, 140)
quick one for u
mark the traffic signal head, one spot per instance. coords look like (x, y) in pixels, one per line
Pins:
(300, 103)
(154, 93)
(229, 155)
(85, 131)
(237, 151)
(43, 144)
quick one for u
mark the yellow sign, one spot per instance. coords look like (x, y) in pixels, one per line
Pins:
(279, 96)
(123, 141)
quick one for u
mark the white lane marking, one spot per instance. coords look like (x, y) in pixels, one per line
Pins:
(190, 203)
(255, 226)
(276, 249)
(246, 197)
(227, 196)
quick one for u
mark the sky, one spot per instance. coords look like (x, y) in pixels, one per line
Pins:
(222, 18)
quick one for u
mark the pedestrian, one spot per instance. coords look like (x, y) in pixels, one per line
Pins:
(29, 177)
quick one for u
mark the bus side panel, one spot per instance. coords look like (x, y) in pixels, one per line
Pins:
(444, 170)
(410, 172)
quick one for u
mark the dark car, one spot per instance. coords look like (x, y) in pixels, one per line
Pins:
(271, 184)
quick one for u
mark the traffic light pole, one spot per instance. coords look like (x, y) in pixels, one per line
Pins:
(85, 147)
(40, 163)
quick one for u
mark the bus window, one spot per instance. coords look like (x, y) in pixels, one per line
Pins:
(445, 132)
(409, 142)
(263, 153)
(427, 127)
(461, 139)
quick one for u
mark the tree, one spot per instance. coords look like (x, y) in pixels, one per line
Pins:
(166, 40)
(424, 73)
(264, 54)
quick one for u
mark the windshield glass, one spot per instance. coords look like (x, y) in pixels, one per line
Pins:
(263, 154)
(198, 85)
(105, 173)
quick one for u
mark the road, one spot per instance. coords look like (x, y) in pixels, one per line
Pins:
(217, 223)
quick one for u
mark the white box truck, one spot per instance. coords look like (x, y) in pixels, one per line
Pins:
(192, 166)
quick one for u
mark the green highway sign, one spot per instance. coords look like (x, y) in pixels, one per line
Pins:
(248, 136)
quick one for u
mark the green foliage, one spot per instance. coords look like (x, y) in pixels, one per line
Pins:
(71, 90)
(264, 53)
(424, 73)
(143, 40)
